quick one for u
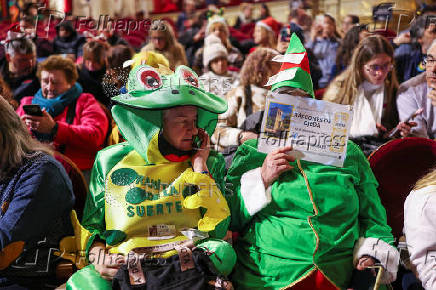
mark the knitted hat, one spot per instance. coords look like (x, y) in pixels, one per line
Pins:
(294, 71)
(213, 48)
(270, 24)
(216, 19)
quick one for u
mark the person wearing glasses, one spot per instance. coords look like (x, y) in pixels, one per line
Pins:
(162, 40)
(369, 85)
(419, 92)
(409, 56)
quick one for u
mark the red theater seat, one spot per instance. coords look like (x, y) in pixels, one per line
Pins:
(397, 165)
(80, 187)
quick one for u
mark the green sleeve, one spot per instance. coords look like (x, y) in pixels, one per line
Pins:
(217, 168)
(94, 212)
(372, 214)
(246, 158)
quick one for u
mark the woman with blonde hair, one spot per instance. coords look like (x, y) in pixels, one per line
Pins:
(36, 198)
(420, 229)
(163, 41)
(249, 97)
(369, 84)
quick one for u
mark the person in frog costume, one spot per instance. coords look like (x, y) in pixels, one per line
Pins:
(305, 225)
(156, 192)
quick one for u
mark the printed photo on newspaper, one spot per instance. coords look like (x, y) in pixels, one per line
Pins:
(317, 130)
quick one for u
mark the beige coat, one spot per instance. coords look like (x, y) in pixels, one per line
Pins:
(227, 130)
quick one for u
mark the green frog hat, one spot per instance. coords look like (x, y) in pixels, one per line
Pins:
(138, 113)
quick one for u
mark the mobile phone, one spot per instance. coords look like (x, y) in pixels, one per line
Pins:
(285, 35)
(411, 117)
(33, 110)
(196, 143)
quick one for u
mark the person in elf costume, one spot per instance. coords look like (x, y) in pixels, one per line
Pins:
(305, 225)
(162, 188)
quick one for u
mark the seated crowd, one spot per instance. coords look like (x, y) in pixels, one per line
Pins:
(165, 140)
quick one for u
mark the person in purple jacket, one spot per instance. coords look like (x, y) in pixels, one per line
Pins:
(36, 199)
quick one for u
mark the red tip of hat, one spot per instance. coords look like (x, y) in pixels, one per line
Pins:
(274, 24)
(14, 27)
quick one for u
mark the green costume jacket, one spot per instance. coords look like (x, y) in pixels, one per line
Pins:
(140, 199)
(94, 214)
(292, 229)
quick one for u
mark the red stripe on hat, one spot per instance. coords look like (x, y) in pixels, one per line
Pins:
(304, 65)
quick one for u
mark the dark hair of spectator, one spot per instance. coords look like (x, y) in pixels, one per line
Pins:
(267, 12)
(117, 55)
(95, 51)
(27, 7)
(334, 23)
(348, 44)
(418, 27)
(425, 8)
(294, 13)
(294, 28)
(57, 62)
(354, 18)
(200, 18)
(28, 19)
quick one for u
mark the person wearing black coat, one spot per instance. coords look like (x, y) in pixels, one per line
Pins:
(93, 70)
(67, 40)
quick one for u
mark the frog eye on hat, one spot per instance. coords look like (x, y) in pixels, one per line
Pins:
(149, 78)
(189, 77)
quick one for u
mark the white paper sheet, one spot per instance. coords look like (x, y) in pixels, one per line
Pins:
(317, 130)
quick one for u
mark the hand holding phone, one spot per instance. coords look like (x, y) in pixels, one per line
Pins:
(406, 124)
(33, 110)
(38, 120)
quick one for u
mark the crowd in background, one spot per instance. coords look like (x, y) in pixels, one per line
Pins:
(75, 75)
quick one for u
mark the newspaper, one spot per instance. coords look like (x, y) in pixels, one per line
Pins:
(316, 130)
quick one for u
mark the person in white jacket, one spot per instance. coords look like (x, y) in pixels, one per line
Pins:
(218, 79)
(420, 229)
